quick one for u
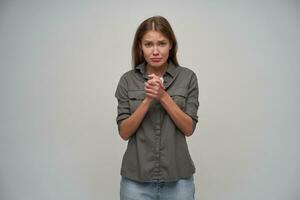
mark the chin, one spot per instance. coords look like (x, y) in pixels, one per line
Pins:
(157, 65)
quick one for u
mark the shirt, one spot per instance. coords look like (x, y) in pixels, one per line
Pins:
(158, 149)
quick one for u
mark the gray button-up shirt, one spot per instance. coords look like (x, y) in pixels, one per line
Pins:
(158, 149)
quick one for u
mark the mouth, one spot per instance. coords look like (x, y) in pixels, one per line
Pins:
(155, 59)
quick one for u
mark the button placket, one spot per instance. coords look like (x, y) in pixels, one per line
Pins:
(157, 140)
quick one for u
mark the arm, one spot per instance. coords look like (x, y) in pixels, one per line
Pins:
(129, 125)
(128, 122)
(181, 119)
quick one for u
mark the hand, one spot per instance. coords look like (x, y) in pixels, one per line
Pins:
(154, 88)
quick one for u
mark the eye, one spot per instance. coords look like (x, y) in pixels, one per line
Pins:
(148, 44)
(162, 44)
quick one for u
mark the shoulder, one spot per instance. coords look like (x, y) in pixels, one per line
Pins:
(187, 76)
(185, 71)
(123, 83)
(127, 75)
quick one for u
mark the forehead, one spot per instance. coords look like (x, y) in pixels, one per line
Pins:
(154, 35)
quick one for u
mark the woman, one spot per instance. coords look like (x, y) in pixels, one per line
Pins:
(157, 109)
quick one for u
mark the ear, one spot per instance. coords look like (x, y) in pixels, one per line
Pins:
(140, 49)
(171, 46)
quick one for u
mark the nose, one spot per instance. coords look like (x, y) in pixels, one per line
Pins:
(155, 51)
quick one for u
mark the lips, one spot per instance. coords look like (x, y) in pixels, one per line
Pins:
(155, 59)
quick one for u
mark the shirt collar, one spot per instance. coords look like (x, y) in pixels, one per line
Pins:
(170, 70)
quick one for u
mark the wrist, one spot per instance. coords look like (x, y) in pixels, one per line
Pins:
(147, 101)
(164, 96)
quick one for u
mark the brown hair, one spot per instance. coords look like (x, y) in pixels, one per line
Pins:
(157, 23)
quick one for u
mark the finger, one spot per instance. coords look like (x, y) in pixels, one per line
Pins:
(161, 85)
(151, 92)
(156, 83)
(151, 96)
(151, 75)
(148, 90)
(155, 79)
(153, 87)
(152, 82)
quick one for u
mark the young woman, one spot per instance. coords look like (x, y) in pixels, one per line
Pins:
(157, 110)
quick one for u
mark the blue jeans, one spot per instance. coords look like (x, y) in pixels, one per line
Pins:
(183, 189)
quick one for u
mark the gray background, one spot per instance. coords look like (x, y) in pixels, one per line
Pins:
(60, 64)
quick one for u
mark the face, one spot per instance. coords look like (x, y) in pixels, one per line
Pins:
(155, 47)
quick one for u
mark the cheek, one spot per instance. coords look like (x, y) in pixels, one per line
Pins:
(146, 52)
(166, 52)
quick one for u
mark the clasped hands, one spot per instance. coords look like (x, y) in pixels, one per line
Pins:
(154, 88)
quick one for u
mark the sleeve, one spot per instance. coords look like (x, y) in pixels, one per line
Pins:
(192, 102)
(123, 101)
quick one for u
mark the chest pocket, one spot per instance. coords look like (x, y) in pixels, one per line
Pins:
(179, 96)
(135, 98)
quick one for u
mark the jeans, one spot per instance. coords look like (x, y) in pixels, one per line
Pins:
(183, 189)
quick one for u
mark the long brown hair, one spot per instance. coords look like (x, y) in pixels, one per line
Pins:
(157, 23)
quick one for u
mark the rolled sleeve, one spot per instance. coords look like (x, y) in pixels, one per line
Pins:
(123, 101)
(192, 102)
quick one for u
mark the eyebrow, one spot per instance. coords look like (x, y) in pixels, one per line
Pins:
(158, 40)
